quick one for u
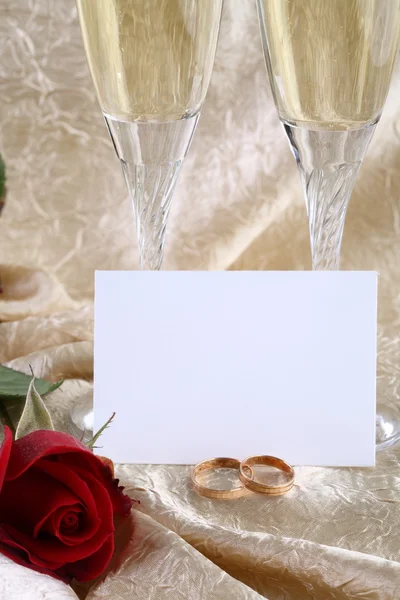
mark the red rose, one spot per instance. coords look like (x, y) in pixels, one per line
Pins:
(57, 502)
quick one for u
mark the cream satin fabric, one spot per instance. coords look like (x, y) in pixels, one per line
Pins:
(239, 206)
(18, 583)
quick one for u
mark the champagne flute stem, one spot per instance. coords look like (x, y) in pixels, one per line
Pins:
(327, 199)
(328, 162)
(151, 192)
(151, 155)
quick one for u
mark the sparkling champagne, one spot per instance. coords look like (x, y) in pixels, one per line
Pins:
(330, 61)
(151, 60)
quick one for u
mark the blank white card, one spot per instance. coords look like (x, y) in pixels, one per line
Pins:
(203, 364)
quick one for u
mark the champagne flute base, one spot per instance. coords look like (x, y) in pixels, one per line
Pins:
(387, 429)
(80, 422)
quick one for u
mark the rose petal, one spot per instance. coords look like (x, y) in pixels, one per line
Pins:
(107, 463)
(20, 556)
(74, 482)
(53, 525)
(77, 485)
(38, 444)
(89, 557)
(9, 544)
(28, 501)
(5, 451)
(122, 504)
(54, 551)
(67, 449)
(69, 520)
(85, 531)
(94, 565)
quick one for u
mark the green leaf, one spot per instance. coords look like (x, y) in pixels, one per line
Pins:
(14, 384)
(2, 178)
(35, 414)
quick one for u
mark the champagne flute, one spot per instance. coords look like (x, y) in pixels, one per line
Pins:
(151, 63)
(330, 64)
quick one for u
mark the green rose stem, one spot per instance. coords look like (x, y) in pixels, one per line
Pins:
(91, 443)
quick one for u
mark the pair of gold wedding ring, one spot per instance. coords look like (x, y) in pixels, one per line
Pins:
(246, 476)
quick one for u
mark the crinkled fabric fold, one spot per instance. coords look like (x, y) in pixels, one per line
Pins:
(28, 292)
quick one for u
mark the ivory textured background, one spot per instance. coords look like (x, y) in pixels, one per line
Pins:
(239, 206)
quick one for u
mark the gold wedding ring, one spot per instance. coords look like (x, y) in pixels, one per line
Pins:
(211, 465)
(262, 488)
